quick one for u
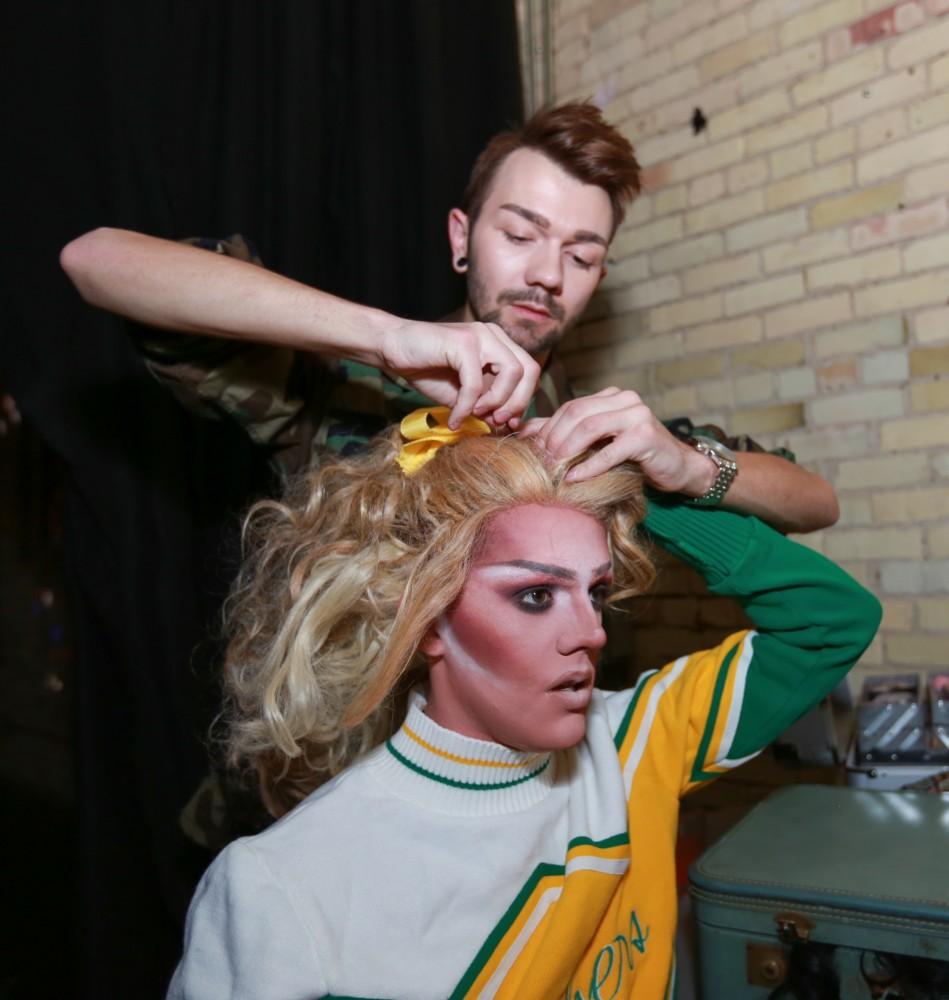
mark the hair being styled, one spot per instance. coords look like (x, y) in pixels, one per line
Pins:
(577, 138)
(344, 577)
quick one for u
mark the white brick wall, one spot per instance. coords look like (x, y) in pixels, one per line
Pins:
(787, 271)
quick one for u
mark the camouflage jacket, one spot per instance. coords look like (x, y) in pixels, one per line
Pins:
(298, 405)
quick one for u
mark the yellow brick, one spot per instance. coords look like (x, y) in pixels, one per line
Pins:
(900, 226)
(834, 145)
(686, 313)
(932, 326)
(888, 331)
(819, 20)
(889, 470)
(717, 394)
(747, 175)
(918, 650)
(937, 538)
(665, 27)
(858, 270)
(678, 402)
(757, 388)
(809, 185)
(768, 419)
(647, 293)
(688, 252)
(767, 229)
(939, 74)
(781, 68)
(724, 212)
(706, 188)
(646, 350)
(876, 543)
(732, 271)
(899, 156)
(714, 336)
(659, 148)
(761, 294)
(901, 506)
(796, 383)
(793, 129)
(933, 611)
(691, 46)
(915, 48)
(923, 290)
(806, 250)
(926, 114)
(897, 615)
(886, 127)
(871, 404)
(665, 88)
(731, 58)
(840, 76)
(811, 314)
(687, 372)
(791, 161)
(927, 181)
(714, 157)
(766, 12)
(782, 354)
(672, 199)
(922, 254)
(768, 106)
(916, 432)
(636, 239)
(925, 361)
(898, 88)
(857, 205)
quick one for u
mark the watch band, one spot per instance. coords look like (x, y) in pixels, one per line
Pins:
(725, 462)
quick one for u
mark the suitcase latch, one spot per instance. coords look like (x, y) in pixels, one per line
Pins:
(793, 927)
(765, 964)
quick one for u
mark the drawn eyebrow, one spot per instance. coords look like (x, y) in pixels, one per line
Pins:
(560, 572)
(580, 236)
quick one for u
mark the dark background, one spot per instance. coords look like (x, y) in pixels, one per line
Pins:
(335, 134)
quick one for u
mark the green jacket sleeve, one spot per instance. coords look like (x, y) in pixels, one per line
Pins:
(812, 620)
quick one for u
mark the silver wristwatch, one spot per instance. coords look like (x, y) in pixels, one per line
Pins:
(724, 459)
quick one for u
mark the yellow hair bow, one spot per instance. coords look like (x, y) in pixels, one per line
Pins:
(426, 430)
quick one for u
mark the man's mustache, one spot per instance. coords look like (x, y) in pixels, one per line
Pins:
(534, 296)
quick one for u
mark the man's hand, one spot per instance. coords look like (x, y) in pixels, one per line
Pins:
(781, 493)
(471, 367)
(627, 430)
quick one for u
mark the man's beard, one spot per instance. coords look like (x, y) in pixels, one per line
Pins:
(523, 331)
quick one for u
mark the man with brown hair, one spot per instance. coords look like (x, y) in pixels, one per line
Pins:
(540, 211)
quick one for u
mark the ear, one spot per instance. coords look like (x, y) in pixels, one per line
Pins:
(432, 645)
(458, 238)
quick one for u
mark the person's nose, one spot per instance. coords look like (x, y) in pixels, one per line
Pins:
(545, 267)
(585, 630)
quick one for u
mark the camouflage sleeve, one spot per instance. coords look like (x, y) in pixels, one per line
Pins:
(273, 393)
(683, 428)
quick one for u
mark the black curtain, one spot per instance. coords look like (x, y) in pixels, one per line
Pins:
(335, 134)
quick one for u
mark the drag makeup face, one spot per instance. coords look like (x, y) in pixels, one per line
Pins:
(513, 660)
(536, 251)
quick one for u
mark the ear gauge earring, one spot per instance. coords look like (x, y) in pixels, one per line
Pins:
(462, 263)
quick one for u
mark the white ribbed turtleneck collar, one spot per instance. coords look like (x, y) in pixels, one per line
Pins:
(452, 773)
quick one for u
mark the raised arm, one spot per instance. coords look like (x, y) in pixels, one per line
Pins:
(472, 367)
(779, 492)
(812, 622)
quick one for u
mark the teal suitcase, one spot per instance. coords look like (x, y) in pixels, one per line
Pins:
(814, 866)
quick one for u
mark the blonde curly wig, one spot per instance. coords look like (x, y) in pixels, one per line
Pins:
(347, 572)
